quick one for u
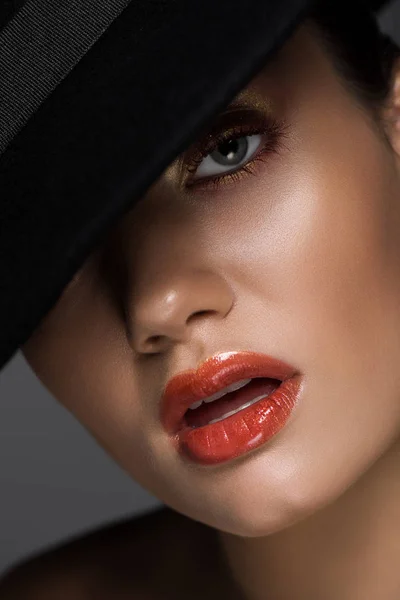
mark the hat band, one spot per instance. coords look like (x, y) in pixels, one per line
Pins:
(39, 46)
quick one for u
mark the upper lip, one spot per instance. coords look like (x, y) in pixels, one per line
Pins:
(213, 375)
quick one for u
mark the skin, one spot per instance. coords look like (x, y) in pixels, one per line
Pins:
(300, 261)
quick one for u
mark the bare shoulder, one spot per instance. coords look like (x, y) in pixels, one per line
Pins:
(159, 555)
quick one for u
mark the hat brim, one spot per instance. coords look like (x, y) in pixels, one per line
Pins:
(133, 102)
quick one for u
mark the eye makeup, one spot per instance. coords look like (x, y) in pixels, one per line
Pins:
(234, 125)
(248, 115)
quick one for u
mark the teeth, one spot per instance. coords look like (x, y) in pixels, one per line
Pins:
(228, 414)
(196, 404)
(231, 388)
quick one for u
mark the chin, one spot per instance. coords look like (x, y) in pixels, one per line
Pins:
(261, 501)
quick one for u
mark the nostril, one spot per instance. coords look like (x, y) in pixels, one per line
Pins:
(157, 339)
(201, 313)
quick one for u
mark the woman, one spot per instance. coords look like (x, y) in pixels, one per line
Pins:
(270, 247)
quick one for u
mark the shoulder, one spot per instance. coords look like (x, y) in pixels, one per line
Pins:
(148, 555)
(114, 555)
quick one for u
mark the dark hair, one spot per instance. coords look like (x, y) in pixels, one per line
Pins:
(362, 53)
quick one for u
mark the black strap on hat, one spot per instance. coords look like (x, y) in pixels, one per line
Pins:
(39, 46)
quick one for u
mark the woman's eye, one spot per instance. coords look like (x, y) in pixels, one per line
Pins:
(228, 156)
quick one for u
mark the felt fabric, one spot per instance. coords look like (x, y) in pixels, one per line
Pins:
(58, 34)
(140, 93)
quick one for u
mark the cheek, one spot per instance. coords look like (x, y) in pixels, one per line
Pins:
(337, 274)
(344, 264)
(81, 355)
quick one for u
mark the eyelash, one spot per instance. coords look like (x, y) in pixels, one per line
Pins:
(273, 129)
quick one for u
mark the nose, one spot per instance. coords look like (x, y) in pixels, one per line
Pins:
(163, 313)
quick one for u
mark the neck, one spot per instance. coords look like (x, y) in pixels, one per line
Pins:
(349, 549)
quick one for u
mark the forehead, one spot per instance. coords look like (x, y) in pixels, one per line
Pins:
(301, 56)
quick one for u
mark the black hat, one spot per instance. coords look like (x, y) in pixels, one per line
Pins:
(97, 98)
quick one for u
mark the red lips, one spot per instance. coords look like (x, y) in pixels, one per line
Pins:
(242, 430)
(212, 376)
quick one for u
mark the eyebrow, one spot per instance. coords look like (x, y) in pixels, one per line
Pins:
(252, 98)
(246, 100)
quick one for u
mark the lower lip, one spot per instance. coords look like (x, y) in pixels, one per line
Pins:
(242, 432)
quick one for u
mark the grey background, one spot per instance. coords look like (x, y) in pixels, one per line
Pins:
(55, 481)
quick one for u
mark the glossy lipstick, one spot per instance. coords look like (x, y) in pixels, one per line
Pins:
(238, 433)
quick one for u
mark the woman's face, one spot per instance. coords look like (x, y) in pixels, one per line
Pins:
(299, 259)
